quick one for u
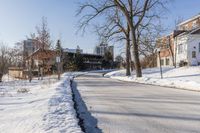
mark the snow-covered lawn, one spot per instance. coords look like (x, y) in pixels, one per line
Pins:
(183, 77)
(37, 107)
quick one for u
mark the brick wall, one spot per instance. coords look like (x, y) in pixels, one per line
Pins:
(190, 24)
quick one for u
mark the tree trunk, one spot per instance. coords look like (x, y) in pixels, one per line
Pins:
(136, 55)
(129, 17)
(1, 76)
(171, 51)
(128, 73)
(30, 70)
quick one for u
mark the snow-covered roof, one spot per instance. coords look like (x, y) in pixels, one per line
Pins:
(89, 54)
(188, 20)
(72, 50)
(43, 54)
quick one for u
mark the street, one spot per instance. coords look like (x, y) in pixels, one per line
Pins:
(124, 107)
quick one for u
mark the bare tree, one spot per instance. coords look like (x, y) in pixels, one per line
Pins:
(115, 28)
(177, 21)
(4, 60)
(17, 53)
(43, 35)
(43, 41)
(137, 13)
(147, 43)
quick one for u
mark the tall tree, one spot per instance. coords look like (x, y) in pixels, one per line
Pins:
(108, 60)
(43, 35)
(43, 41)
(119, 61)
(147, 44)
(137, 14)
(79, 61)
(4, 60)
(116, 29)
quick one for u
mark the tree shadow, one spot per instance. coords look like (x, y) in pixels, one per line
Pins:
(184, 118)
(182, 76)
(89, 123)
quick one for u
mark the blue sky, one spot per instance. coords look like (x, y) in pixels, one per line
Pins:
(18, 19)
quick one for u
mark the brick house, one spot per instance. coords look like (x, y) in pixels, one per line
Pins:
(166, 50)
(190, 24)
(182, 46)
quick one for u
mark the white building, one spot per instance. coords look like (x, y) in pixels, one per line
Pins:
(187, 47)
(72, 50)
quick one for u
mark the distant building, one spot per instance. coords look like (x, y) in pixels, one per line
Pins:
(72, 50)
(30, 46)
(90, 61)
(46, 59)
(103, 48)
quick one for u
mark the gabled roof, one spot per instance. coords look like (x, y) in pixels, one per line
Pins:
(177, 32)
(43, 54)
(188, 20)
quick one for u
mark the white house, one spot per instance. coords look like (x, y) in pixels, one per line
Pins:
(187, 47)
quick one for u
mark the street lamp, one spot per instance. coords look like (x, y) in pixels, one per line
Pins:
(161, 73)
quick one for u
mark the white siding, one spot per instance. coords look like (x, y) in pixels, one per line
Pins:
(190, 43)
(193, 45)
(183, 55)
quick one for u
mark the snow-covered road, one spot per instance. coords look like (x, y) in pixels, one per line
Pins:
(124, 107)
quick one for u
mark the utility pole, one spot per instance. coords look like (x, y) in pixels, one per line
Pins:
(58, 66)
(161, 74)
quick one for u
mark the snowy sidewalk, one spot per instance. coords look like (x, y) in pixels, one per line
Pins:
(37, 107)
(187, 78)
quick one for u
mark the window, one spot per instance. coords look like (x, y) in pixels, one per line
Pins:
(162, 62)
(167, 44)
(186, 27)
(199, 47)
(180, 48)
(193, 54)
(167, 61)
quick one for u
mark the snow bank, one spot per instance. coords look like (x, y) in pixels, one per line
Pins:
(37, 107)
(184, 77)
(61, 116)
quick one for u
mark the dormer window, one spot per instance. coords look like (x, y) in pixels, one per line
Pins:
(194, 24)
(186, 27)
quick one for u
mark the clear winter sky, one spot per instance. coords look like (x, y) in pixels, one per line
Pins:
(18, 19)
